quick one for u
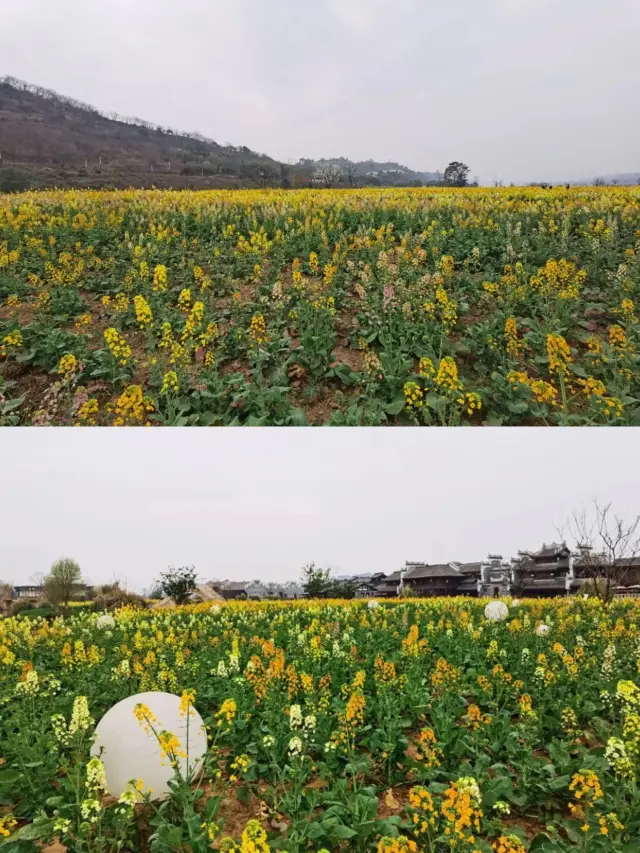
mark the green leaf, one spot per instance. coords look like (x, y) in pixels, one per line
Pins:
(297, 417)
(396, 407)
(10, 405)
(518, 408)
(38, 830)
(343, 832)
(9, 777)
(539, 842)
(243, 795)
(578, 370)
(559, 783)
(23, 357)
(316, 830)
(494, 419)
(573, 830)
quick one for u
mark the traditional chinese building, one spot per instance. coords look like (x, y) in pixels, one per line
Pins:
(390, 586)
(470, 578)
(441, 579)
(495, 578)
(542, 574)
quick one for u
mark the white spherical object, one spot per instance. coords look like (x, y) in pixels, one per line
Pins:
(515, 602)
(541, 630)
(106, 621)
(128, 751)
(373, 604)
(496, 611)
(214, 608)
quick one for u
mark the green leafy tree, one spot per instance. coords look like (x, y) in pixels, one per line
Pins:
(456, 174)
(341, 589)
(316, 582)
(13, 181)
(64, 579)
(178, 584)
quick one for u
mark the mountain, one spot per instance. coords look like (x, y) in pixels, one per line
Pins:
(47, 140)
(59, 141)
(620, 179)
(372, 171)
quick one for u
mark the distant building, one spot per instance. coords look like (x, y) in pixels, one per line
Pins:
(471, 578)
(291, 591)
(544, 573)
(630, 573)
(6, 598)
(230, 590)
(366, 585)
(441, 579)
(495, 577)
(390, 586)
(256, 590)
(34, 591)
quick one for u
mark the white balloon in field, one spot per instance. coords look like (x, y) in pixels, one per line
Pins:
(130, 750)
(541, 630)
(515, 602)
(496, 611)
(373, 604)
(106, 621)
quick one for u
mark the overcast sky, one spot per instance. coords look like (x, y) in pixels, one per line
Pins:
(518, 89)
(259, 503)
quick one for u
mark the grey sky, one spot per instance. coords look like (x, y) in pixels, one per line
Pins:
(251, 503)
(518, 89)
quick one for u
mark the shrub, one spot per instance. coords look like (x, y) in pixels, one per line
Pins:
(13, 181)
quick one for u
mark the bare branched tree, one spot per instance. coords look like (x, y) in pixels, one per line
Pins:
(350, 170)
(608, 546)
(263, 175)
(327, 175)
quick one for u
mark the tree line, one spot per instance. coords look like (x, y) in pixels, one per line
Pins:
(607, 545)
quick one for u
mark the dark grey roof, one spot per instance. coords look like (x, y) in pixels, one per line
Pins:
(437, 571)
(470, 568)
(543, 583)
(394, 577)
(589, 560)
(533, 566)
(552, 550)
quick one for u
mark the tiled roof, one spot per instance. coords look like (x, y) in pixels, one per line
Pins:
(470, 568)
(437, 571)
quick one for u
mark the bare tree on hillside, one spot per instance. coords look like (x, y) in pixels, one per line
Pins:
(327, 175)
(350, 170)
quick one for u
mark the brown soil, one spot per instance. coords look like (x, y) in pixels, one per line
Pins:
(31, 383)
(393, 801)
(352, 358)
(236, 366)
(318, 411)
(233, 815)
(531, 825)
(22, 315)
